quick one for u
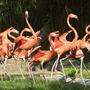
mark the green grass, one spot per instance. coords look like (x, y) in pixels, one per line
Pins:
(40, 85)
(17, 83)
(71, 72)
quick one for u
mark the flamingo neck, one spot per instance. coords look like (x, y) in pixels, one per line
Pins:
(11, 36)
(24, 30)
(30, 27)
(86, 30)
(72, 28)
(87, 33)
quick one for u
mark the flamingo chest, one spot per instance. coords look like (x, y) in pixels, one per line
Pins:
(57, 44)
(29, 44)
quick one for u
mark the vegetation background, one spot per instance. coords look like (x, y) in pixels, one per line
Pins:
(44, 15)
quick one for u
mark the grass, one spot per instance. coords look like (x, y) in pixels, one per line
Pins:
(17, 83)
(71, 72)
(40, 85)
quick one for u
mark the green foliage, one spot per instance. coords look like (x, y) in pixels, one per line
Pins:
(40, 85)
(70, 72)
(42, 12)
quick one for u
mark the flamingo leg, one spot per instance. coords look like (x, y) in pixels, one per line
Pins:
(56, 65)
(73, 65)
(85, 68)
(56, 62)
(24, 60)
(42, 71)
(5, 62)
(82, 70)
(1, 73)
(29, 70)
(63, 68)
(31, 75)
(61, 59)
(16, 61)
(20, 69)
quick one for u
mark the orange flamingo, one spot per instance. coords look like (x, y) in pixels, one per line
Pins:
(23, 42)
(41, 56)
(28, 43)
(3, 35)
(6, 46)
(24, 46)
(6, 43)
(66, 44)
(76, 48)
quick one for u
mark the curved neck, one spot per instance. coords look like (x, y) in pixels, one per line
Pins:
(87, 33)
(72, 28)
(86, 30)
(63, 37)
(24, 30)
(30, 27)
(51, 41)
(11, 36)
(84, 38)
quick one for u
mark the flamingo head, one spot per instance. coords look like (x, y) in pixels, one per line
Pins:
(26, 29)
(87, 30)
(37, 33)
(71, 15)
(14, 32)
(54, 34)
(26, 14)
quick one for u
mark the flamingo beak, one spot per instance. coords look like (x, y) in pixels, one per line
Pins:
(77, 17)
(16, 31)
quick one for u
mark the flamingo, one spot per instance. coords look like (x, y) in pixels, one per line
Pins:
(76, 48)
(66, 44)
(24, 45)
(41, 56)
(30, 27)
(28, 43)
(6, 43)
(23, 42)
(6, 46)
(22, 51)
(3, 35)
